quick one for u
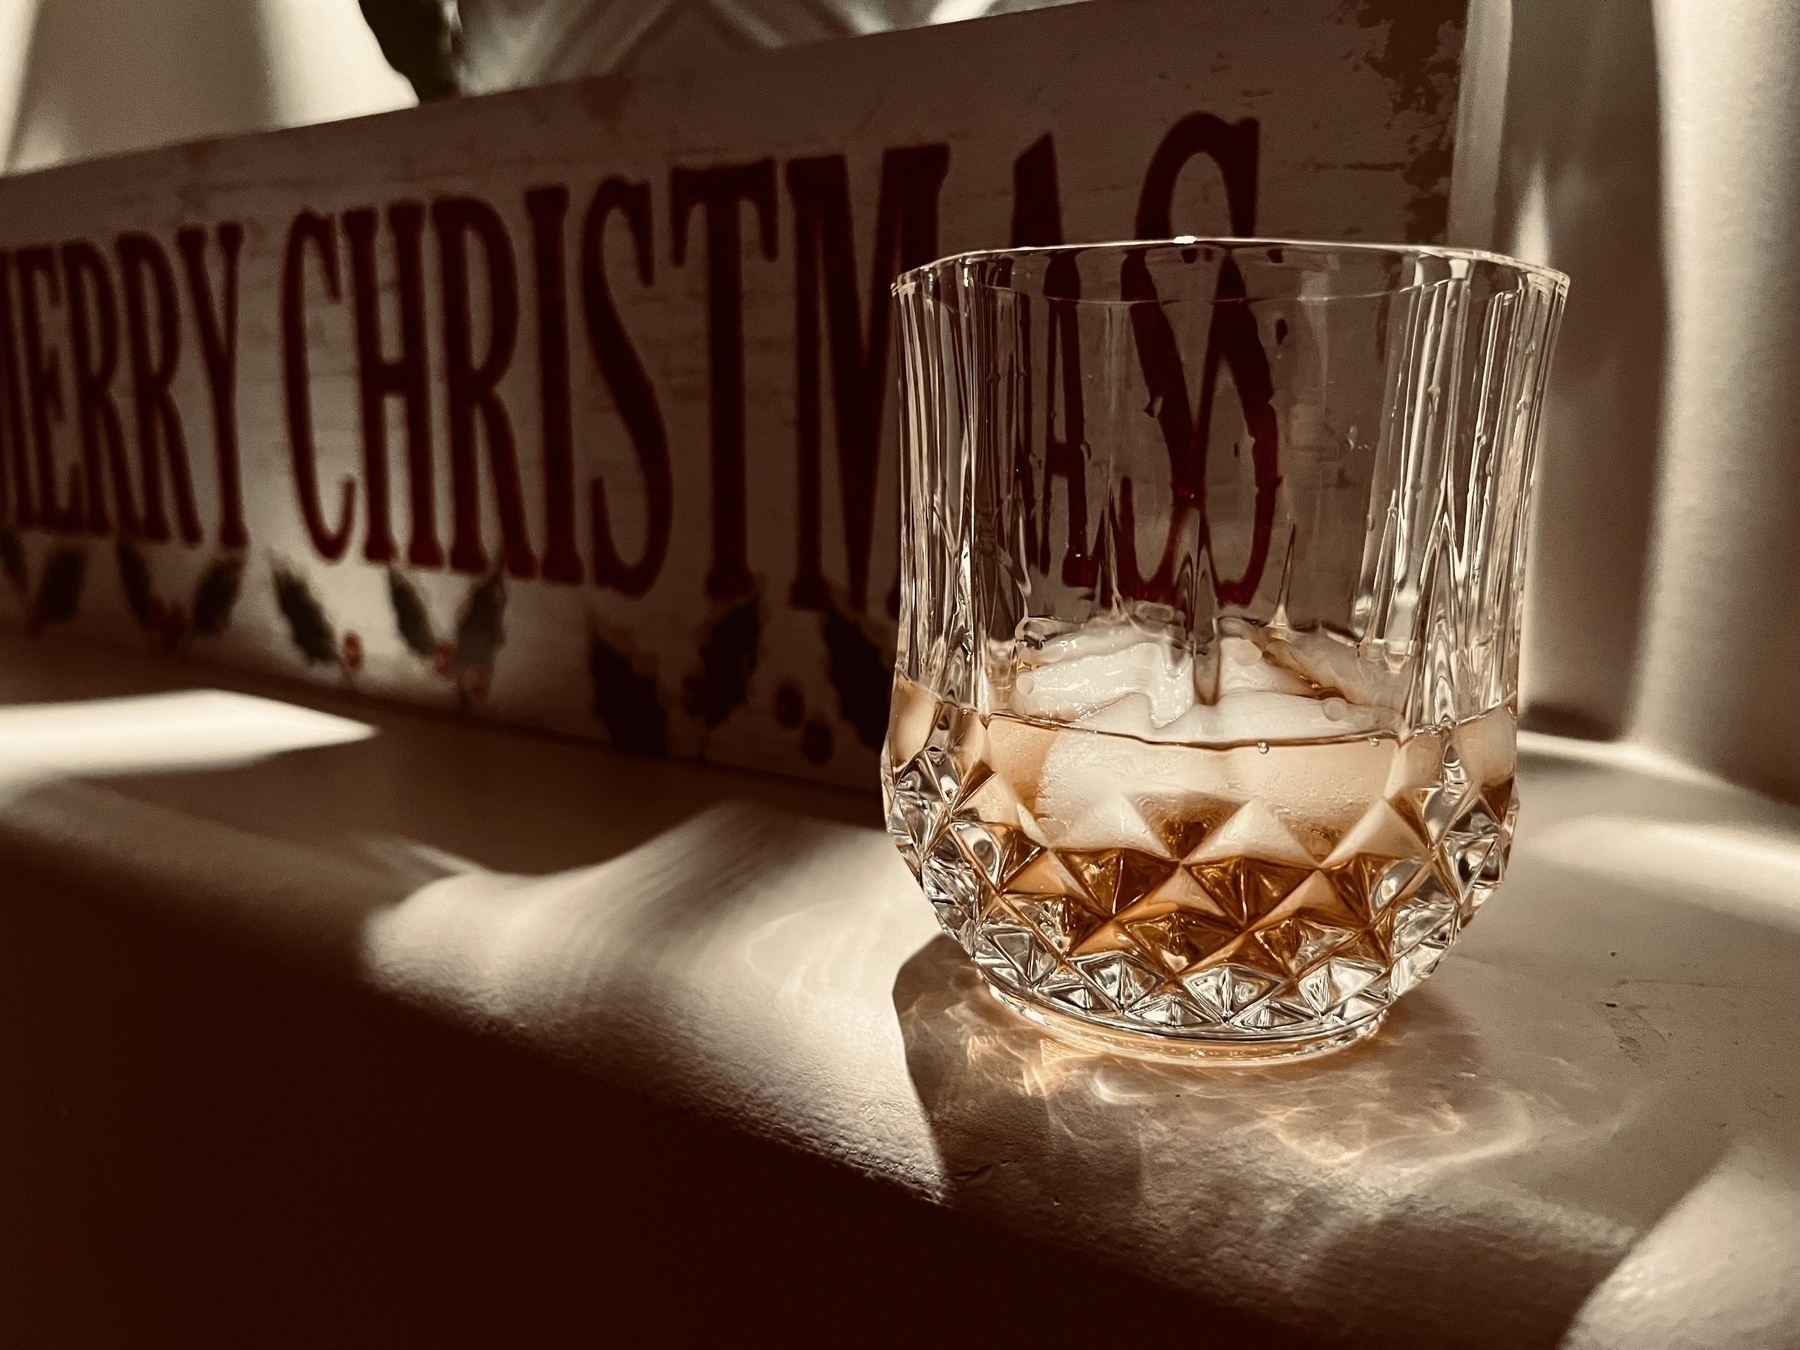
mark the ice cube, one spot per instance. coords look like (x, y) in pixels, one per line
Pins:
(1016, 751)
(1087, 670)
(1246, 717)
(1132, 715)
(1127, 678)
(1244, 669)
(1086, 789)
(1318, 791)
(1332, 664)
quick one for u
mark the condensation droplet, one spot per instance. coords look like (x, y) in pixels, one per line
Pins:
(1262, 747)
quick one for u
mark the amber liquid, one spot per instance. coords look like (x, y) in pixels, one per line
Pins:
(1249, 889)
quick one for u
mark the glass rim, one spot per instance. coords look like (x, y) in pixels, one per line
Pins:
(1558, 280)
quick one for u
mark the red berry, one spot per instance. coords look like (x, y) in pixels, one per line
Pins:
(353, 652)
(443, 659)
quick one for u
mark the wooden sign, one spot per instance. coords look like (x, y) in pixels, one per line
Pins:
(572, 406)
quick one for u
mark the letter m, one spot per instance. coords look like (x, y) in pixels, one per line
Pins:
(906, 223)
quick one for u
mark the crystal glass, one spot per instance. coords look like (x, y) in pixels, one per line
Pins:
(1204, 712)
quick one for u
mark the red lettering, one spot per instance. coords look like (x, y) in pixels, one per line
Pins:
(218, 344)
(1231, 338)
(548, 207)
(94, 355)
(474, 388)
(43, 386)
(631, 390)
(314, 229)
(405, 377)
(719, 191)
(16, 496)
(1037, 222)
(142, 263)
(905, 237)
(1230, 145)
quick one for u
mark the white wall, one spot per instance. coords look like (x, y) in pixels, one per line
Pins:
(1649, 152)
(1580, 187)
(1720, 676)
(84, 78)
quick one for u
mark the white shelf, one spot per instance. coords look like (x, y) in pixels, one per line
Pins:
(1588, 1120)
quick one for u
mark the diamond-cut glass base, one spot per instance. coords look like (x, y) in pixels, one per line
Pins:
(1185, 912)
(1189, 1049)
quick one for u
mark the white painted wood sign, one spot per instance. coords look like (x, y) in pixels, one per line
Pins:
(572, 407)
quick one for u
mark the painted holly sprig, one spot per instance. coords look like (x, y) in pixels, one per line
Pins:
(861, 677)
(56, 598)
(729, 653)
(207, 612)
(58, 595)
(467, 658)
(310, 627)
(626, 699)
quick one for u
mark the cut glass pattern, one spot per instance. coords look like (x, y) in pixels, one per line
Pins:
(1211, 556)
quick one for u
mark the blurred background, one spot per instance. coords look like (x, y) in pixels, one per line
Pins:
(1642, 147)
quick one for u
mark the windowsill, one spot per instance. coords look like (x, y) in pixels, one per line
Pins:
(1586, 1122)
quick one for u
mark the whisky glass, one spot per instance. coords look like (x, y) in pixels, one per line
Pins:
(1202, 736)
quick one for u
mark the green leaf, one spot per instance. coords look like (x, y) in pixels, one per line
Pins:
(307, 623)
(480, 632)
(626, 700)
(140, 590)
(861, 675)
(728, 659)
(411, 617)
(12, 560)
(58, 595)
(215, 595)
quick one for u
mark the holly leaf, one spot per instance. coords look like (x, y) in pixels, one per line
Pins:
(861, 675)
(306, 620)
(215, 595)
(59, 589)
(12, 560)
(728, 659)
(480, 632)
(626, 700)
(140, 590)
(411, 618)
